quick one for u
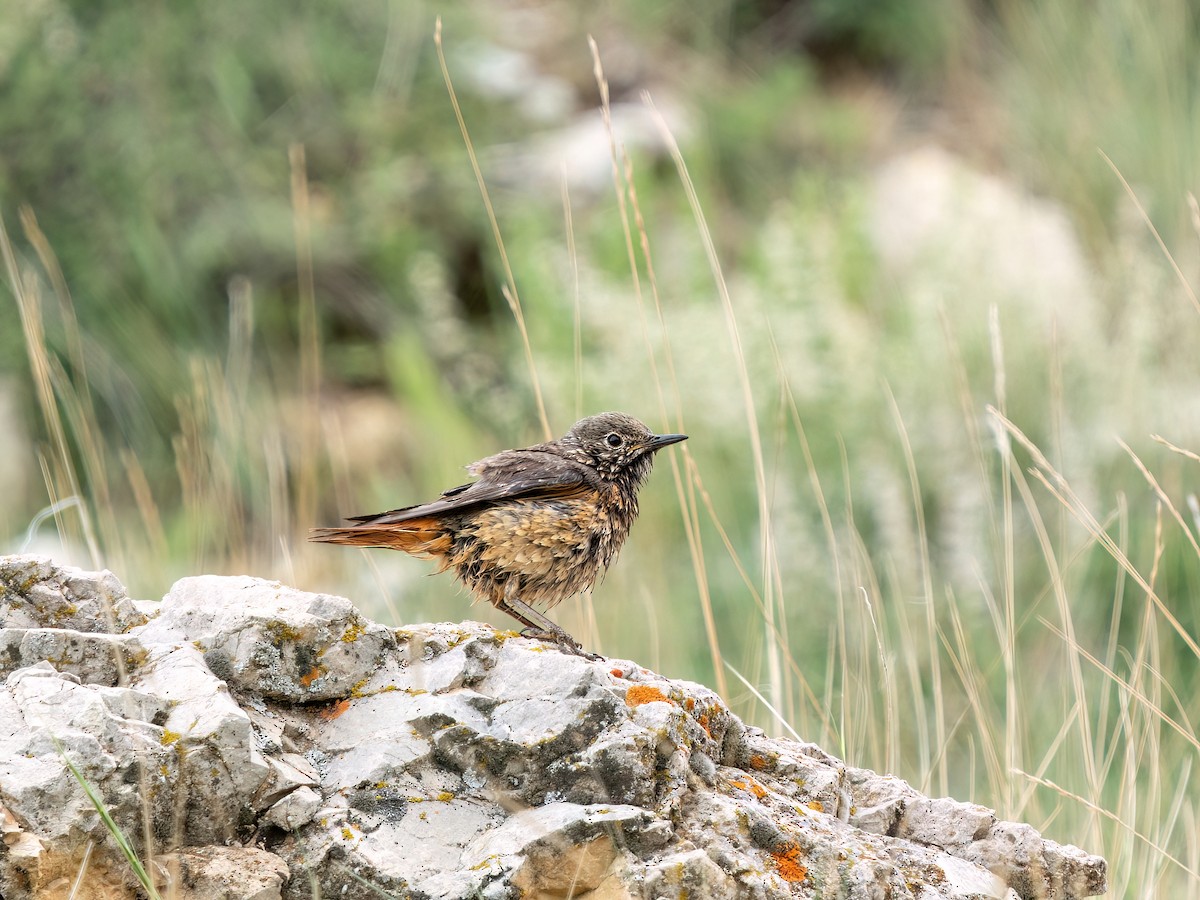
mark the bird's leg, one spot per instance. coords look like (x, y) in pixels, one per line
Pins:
(536, 625)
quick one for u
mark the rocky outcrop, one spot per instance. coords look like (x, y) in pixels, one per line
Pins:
(263, 742)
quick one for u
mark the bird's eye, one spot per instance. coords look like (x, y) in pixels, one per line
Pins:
(613, 440)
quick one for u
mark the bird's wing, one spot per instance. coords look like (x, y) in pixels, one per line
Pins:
(521, 474)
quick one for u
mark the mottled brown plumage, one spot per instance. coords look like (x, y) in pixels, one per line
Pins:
(539, 525)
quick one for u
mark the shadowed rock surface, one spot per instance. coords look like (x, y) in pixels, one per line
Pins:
(282, 746)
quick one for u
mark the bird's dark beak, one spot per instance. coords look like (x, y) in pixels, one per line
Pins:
(658, 441)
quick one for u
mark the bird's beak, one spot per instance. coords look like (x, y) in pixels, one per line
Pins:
(658, 441)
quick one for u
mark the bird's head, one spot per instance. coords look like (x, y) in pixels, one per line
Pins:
(615, 445)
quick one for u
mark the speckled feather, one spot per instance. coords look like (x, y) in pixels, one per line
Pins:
(552, 516)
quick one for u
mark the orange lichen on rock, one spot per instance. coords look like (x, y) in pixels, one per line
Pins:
(751, 786)
(787, 862)
(644, 693)
(617, 673)
(757, 762)
(332, 712)
(311, 675)
(703, 720)
(689, 704)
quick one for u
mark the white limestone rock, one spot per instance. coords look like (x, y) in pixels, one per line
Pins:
(279, 742)
(45, 716)
(294, 810)
(93, 658)
(37, 593)
(221, 873)
(266, 638)
(213, 739)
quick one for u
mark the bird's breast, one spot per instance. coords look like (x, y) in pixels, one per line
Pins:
(553, 547)
(532, 536)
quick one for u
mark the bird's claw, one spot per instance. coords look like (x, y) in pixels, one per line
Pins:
(565, 642)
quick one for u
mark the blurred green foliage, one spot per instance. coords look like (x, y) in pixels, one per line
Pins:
(152, 145)
(1118, 77)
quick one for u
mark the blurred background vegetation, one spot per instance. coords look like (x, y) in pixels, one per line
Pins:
(923, 519)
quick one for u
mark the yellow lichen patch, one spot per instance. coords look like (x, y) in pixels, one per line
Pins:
(359, 690)
(445, 796)
(136, 659)
(334, 710)
(816, 806)
(281, 632)
(644, 693)
(170, 737)
(787, 862)
(352, 633)
(918, 877)
(347, 834)
(311, 675)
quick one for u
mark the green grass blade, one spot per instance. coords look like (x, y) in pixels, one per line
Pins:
(114, 829)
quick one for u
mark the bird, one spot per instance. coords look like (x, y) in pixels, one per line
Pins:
(538, 525)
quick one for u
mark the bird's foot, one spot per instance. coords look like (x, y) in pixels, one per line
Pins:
(566, 643)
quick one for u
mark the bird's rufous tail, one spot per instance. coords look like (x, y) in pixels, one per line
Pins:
(416, 537)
